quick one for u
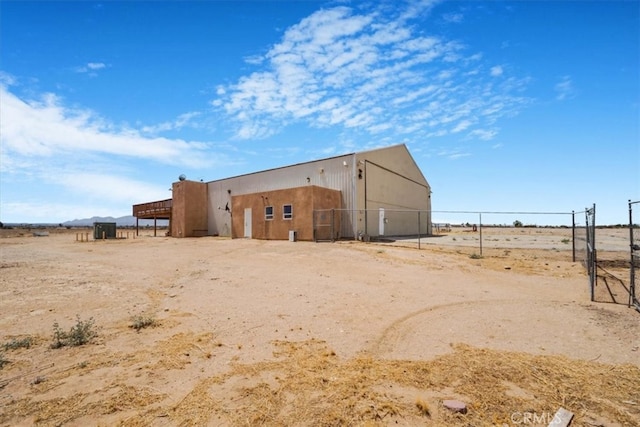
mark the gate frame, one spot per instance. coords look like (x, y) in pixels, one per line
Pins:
(634, 260)
(590, 222)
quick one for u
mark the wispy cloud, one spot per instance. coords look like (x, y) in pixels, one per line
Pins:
(455, 18)
(85, 183)
(47, 128)
(372, 72)
(183, 120)
(496, 71)
(76, 152)
(564, 89)
(90, 68)
(454, 154)
(484, 134)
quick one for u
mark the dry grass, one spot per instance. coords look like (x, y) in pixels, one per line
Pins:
(308, 384)
(59, 411)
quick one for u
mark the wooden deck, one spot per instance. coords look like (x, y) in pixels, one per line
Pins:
(153, 210)
(160, 209)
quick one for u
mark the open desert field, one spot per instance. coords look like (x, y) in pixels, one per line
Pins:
(219, 332)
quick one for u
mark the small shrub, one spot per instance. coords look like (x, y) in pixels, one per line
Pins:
(565, 241)
(475, 256)
(15, 343)
(141, 322)
(79, 334)
(423, 407)
(3, 360)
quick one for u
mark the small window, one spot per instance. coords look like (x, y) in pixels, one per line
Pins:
(287, 212)
(268, 212)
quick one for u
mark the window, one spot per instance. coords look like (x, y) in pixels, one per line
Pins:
(268, 212)
(287, 212)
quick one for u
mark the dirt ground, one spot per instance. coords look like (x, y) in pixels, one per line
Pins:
(249, 332)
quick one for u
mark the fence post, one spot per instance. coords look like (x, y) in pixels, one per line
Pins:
(632, 278)
(573, 233)
(418, 229)
(480, 213)
(333, 218)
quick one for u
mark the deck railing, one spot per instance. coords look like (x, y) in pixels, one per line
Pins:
(161, 208)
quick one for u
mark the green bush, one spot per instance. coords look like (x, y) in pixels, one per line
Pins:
(79, 334)
(15, 343)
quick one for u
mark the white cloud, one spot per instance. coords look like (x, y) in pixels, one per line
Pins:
(462, 125)
(47, 128)
(95, 65)
(120, 188)
(564, 89)
(454, 154)
(254, 60)
(57, 161)
(183, 120)
(496, 71)
(368, 71)
(7, 79)
(91, 68)
(484, 134)
(454, 18)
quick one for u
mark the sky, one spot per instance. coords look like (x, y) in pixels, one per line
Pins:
(506, 106)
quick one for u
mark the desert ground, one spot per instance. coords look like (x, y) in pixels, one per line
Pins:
(221, 332)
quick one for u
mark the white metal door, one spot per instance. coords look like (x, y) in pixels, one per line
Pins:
(247, 222)
(381, 223)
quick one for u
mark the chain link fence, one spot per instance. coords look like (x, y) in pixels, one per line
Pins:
(572, 235)
(480, 231)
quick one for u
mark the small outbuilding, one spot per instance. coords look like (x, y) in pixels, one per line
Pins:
(104, 230)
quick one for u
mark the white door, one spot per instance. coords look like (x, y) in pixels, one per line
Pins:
(381, 223)
(247, 222)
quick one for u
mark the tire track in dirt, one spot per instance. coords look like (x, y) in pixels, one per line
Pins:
(536, 327)
(393, 333)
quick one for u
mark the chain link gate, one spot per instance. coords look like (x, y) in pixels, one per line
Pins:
(324, 225)
(634, 250)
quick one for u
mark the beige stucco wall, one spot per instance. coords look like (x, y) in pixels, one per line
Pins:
(189, 210)
(303, 201)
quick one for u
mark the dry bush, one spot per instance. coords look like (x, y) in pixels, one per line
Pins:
(80, 334)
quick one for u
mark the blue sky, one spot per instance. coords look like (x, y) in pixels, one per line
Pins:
(505, 106)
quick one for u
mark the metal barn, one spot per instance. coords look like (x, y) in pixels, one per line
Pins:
(379, 192)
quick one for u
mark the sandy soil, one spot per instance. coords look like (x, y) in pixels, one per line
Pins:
(254, 332)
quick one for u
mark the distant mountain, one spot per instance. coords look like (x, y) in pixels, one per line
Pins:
(123, 221)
